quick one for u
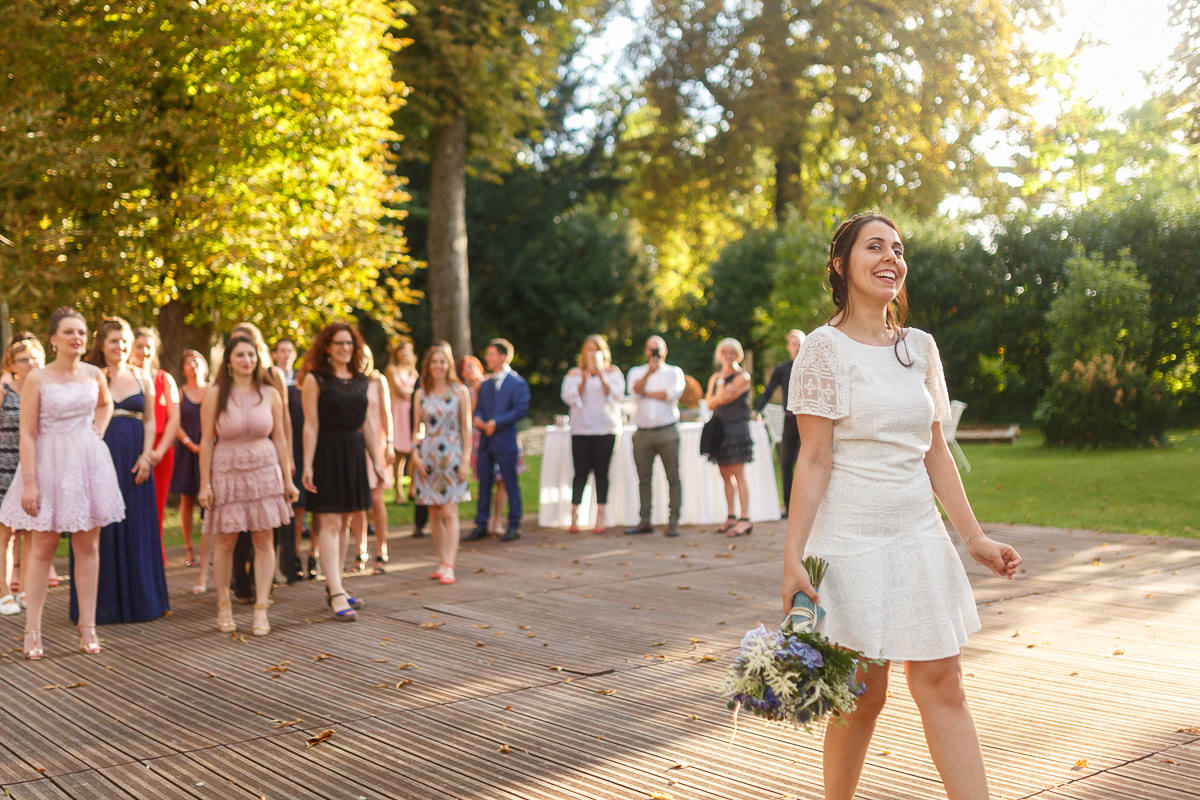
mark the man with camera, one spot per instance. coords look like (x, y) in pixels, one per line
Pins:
(655, 387)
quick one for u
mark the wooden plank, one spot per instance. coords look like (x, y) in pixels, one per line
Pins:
(44, 789)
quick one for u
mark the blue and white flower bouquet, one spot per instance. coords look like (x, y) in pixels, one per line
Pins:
(794, 675)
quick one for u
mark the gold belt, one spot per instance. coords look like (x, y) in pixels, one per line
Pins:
(124, 412)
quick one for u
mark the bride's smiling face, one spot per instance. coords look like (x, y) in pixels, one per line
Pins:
(876, 268)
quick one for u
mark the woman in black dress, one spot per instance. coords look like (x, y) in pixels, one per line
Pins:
(185, 480)
(729, 398)
(338, 435)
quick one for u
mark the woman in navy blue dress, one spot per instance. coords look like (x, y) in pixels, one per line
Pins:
(133, 587)
(185, 480)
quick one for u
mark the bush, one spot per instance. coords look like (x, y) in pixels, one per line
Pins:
(1101, 394)
(1104, 403)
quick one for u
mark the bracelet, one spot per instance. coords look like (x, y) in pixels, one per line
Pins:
(187, 440)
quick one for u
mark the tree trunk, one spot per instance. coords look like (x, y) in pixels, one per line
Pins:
(449, 293)
(177, 336)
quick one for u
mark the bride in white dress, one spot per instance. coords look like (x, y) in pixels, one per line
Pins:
(870, 399)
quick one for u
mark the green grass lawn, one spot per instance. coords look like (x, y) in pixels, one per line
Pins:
(1132, 491)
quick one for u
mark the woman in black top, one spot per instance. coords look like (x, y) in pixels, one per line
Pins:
(789, 442)
(729, 398)
(338, 434)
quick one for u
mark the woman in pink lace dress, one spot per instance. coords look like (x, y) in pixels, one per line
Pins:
(66, 480)
(245, 473)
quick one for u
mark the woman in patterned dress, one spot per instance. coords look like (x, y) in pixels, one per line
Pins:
(870, 399)
(23, 356)
(441, 464)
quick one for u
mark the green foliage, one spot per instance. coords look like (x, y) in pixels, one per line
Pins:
(231, 158)
(1185, 16)
(1099, 327)
(860, 101)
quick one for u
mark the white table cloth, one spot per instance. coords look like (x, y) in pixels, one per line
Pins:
(703, 489)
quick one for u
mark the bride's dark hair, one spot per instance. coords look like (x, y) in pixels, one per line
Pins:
(839, 250)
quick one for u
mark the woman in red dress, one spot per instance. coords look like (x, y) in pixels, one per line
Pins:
(166, 415)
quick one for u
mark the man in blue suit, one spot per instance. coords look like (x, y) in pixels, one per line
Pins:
(503, 401)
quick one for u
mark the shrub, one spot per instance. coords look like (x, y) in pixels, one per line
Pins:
(1104, 403)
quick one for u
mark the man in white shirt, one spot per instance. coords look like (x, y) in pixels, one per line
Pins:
(655, 387)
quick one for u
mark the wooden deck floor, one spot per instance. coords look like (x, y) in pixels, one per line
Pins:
(574, 667)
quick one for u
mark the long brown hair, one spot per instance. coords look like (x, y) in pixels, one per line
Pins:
(225, 372)
(107, 326)
(152, 365)
(317, 358)
(839, 249)
(451, 374)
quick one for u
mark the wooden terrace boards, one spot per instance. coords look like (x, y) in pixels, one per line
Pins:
(584, 667)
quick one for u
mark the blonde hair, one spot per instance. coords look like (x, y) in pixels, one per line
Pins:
(799, 334)
(728, 341)
(601, 345)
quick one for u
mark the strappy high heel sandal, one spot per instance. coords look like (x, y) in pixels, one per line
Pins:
(355, 602)
(347, 614)
(89, 644)
(437, 573)
(749, 529)
(729, 522)
(447, 576)
(190, 558)
(225, 623)
(33, 646)
(261, 626)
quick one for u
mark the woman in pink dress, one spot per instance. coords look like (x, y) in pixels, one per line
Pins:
(66, 480)
(245, 473)
(401, 374)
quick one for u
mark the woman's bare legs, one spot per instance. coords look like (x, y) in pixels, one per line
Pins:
(451, 533)
(730, 490)
(846, 745)
(222, 559)
(86, 547)
(207, 544)
(264, 571)
(39, 554)
(380, 520)
(437, 529)
(333, 537)
(400, 470)
(937, 688)
(187, 505)
(6, 539)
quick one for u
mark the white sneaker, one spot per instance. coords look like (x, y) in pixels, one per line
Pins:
(9, 605)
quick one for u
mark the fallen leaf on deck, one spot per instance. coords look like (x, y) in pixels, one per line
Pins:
(1095, 562)
(722, 555)
(660, 796)
(403, 683)
(283, 724)
(606, 691)
(504, 749)
(531, 635)
(41, 770)
(408, 665)
(1150, 596)
(1080, 764)
(51, 686)
(477, 570)
(483, 626)
(323, 736)
(282, 666)
(884, 753)
(479, 643)
(659, 643)
(1168, 761)
(379, 660)
(431, 625)
(707, 658)
(1118, 652)
(74, 685)
(1187, 730)
(524, 627)
(692, 716)
(318, 657)
(678, 765)
(683, 587)
(380, 686)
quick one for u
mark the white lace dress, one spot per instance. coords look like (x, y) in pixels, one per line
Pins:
(76, 478)
(896, 588)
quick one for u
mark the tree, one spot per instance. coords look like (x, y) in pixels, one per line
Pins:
(478, 71)
(861, 101)
(1185, 15)
(209, 161)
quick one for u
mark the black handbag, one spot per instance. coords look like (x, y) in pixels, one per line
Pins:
(711, 435)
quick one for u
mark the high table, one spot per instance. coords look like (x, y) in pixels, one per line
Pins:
(703, 489)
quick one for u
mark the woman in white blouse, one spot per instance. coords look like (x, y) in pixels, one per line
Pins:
(593, 391)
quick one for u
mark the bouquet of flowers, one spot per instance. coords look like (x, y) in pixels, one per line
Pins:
(794, 675)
